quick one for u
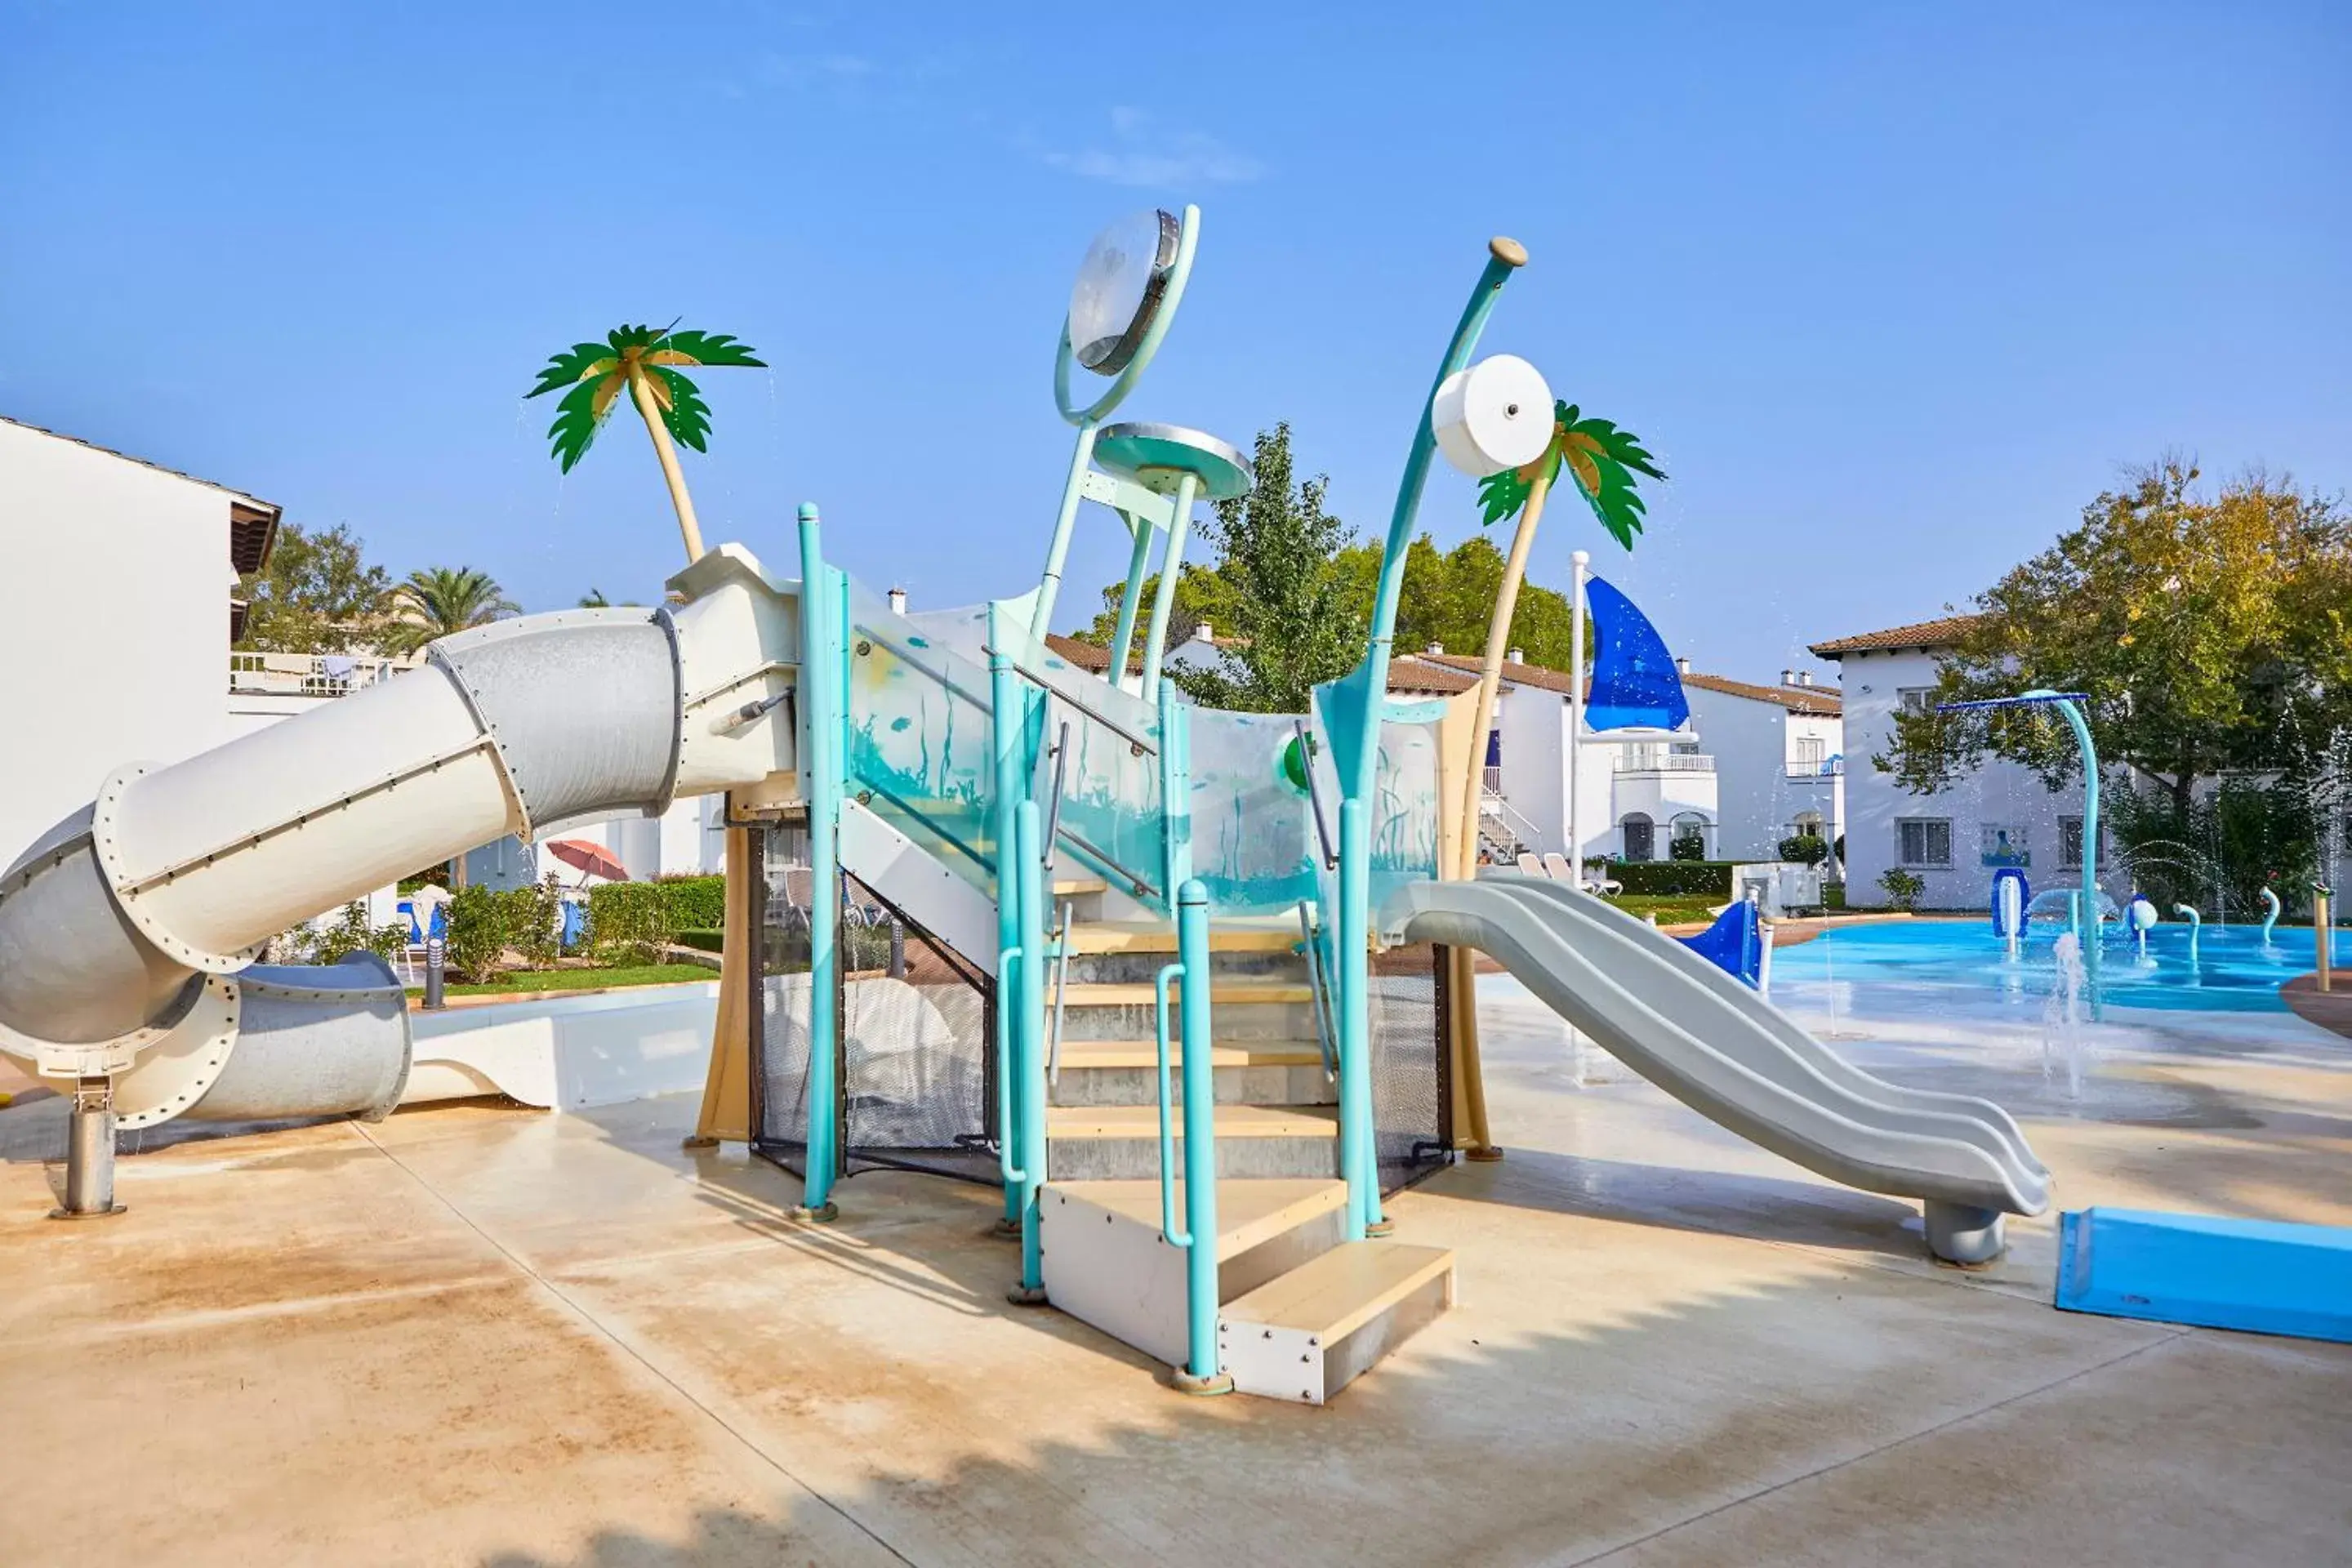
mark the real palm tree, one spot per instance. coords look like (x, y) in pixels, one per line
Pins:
(643, 361)
(437, 600)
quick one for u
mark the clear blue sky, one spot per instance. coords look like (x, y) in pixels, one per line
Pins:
(1891, 290)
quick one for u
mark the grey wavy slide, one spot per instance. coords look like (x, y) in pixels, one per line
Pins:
(1707, 1040)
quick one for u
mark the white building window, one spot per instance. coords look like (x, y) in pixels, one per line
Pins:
(1641, 836)
(1915, 699)
(1924, 841)
(1811, 753)
(2070, 843)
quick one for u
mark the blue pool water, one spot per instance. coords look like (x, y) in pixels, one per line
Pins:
(2234, 969)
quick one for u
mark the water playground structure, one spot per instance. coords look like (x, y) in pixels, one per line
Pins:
(1185, 983)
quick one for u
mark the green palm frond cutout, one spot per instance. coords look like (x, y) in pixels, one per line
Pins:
(600, 375)
(1604, 460)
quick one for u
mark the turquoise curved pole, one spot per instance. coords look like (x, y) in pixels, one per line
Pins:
(1089, 418)
(1122, 641)
(2072, 711)
(1352, 718)
(821, 674)
(1172, 568)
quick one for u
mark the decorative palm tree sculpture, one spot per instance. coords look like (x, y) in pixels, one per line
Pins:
(437, 600)
(1604, 460)
(643, 361)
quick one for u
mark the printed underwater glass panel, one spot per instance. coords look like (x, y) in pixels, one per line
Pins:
(1252, 830)
(1405, 807)
(919, 740)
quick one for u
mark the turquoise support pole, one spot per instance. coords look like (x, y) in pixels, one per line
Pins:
(1203, 1373)
(1175, 796)
(1361, 697)
(821, 664)
(2072, 713)
(1064, 521)
(1005, 735)
(1122, 642)
(1029, 1063)
(1172, 569)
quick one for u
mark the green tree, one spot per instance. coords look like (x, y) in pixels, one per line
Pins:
(317, 595)
(1449, 599)
(1295, 621)
(1204, 597)
(645, 362)
(2212, 635)
(438, 600)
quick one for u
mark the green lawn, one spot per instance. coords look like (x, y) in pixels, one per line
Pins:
(580, 979)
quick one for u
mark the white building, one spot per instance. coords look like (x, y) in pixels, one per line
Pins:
(1779, 759)
(2000, 815)
(1637, 791)
(117, 582)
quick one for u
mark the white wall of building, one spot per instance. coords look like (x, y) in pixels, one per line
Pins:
(1998, 797)
(114, 581)
(1767, 776)
(1534, 723)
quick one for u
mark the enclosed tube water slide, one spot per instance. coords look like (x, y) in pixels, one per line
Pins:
(1714, 1044)
(127, 932)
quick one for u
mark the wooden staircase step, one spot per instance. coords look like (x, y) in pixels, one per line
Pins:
(1222, 992)
(1147, 936)
(1221, 1053)
(1078, 888)
(1232, 1121)
(1250, 1211)
(1307, 1333)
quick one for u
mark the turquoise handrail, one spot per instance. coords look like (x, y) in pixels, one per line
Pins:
(1168, 1230)
(824, 673)
(1014, 1174)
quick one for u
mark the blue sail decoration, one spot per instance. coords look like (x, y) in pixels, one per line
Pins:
(1634, 685)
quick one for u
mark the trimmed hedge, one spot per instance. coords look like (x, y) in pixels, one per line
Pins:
(1708, 878)
(703, 938)
(695, 903)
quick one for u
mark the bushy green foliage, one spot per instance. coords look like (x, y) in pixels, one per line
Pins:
(1686, 847)
(2211, 633)
(1903, 887)
(475, 943)
(629, 923)
(1710, 879)
(695, 902)
(349, 934)
(532, 918)
(2224, 846)
(1804, 849)
(317, 595)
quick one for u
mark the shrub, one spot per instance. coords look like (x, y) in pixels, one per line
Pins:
(529, 917)
(703, 938)
(1833, 894)
(697, 903)
(629, 923)
(349, 934)
(1688, 846)
(1707, 879)
(1804, 849)
(1903, 889)
(475, 943)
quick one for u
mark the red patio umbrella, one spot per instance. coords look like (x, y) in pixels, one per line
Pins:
(589, 859)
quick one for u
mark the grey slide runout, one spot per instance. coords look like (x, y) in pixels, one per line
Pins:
(1714, 1044)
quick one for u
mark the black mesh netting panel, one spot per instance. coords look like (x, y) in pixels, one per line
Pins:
(916, 1070)
(1413, 1111)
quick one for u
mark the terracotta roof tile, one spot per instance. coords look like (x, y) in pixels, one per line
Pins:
(1821, 699)
(1940, 632)
(1514, 673)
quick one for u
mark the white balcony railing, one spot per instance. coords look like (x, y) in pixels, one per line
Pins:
(1833, 768)
(305, 674)
(1665, 763)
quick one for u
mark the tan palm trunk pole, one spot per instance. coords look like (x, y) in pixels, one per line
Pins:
(641, 392)
(1490, 681)
(725, 1110)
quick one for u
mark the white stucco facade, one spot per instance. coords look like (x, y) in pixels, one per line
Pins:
(115, 579)
(1955, 838)
(1778, 758)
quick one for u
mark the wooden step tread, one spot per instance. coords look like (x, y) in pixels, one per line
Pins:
(1078, 887)
(1250, 1210)
(1139, 993)
(1221, 1053)
(1149, 936)
(1232, 1121)
(1334, 1293)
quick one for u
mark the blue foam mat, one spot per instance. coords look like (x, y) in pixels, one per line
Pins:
(2258, 1275)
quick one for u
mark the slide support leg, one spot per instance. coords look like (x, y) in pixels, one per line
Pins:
(90, 1154)
(1958, 1234)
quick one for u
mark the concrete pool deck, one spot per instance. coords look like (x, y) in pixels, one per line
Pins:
(482, 1335)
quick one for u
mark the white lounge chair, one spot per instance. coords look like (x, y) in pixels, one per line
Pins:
(1532, 864)
(1557, 868)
